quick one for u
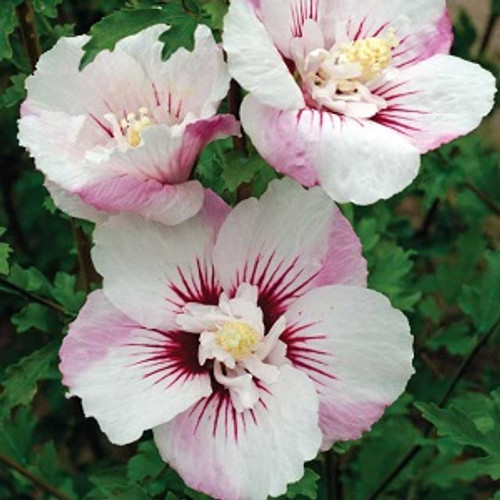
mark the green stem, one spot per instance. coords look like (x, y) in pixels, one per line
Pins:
(445, 398)
(48, 488)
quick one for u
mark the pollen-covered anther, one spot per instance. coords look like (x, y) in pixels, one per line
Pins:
(239, 339)
(134, 124)
(372, 54)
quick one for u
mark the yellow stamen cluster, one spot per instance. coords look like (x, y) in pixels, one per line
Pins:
(134, 124)
(238, 339)
(372, 54)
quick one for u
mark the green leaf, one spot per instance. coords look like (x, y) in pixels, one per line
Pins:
(31, 280)
(180, 35)
(462, 427)
(5, 251)
(239, 169)
(34, 316)
(21, 379)
(307, 487)
(15, 93)
(64, 292)
(146, 464)
(481, 302)
(216, 9)
(111, 29)
(390, 267)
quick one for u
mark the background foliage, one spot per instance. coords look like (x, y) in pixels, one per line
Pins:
(433, 250)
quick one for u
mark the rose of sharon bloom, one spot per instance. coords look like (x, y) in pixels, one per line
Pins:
(123, 133)
(348, 93)
(245, 339)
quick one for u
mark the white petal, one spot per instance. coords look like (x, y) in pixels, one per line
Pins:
(353, 160)
(150, 271)
(438, 100)
(248, 455)
(255, 62)
(285, 20)
(58, 143)
(73, 205)
(194, 82)
(130, 379)
(358, 351)
(286, 243)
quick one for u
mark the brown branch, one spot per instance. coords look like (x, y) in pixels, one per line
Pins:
(88, 274)
(48, 488)
(29, 36)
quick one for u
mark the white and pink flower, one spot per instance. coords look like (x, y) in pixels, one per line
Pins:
(245, 338)
(348, 94)
(124, 133)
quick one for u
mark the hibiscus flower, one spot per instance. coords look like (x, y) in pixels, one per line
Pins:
(348, 93)
(246, 339)
(124, 133)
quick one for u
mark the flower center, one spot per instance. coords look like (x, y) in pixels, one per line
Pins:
(340, 79)
(239, 339)
(133, 125)
(372, 54)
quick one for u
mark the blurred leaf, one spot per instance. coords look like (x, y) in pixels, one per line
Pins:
(456, 339)
(459, 269)
(21, 379)
(445, 476)
(5, 251)
(16, 434)
(8, 23)
(381, 449)
(113, 484)
(465, 35)
(482, 302)
(47, 7)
